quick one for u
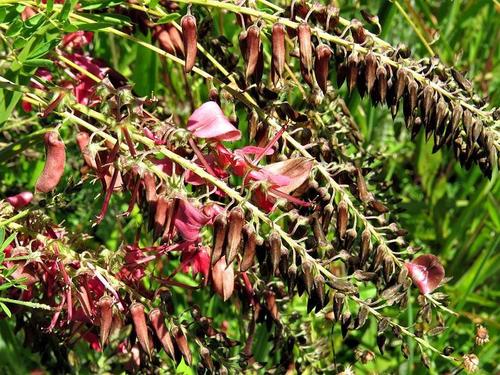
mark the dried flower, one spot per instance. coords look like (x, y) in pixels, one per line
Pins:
(426, 272)
(482, 336)
(470, 363)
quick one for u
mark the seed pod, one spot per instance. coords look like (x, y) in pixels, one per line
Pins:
(362, 317)
(346, 321)
(182, 344)
(342, 218)
(106, 317)
(321, 65)
(190, 40)
(379, 257)
(427, 102)
(332, 18)
(305, 50)
(327, 217)
(400, 83)
(54, 163)
(381, 74)
(308, 277)
(206, 359)
(370, 70)
(275, 250)
(364, 275)
(358, 31)
(389, 268)
(253, 48)
(352, 70)
(223, 279)
(381, 341)
(351, 235)
(279, 52)
(372, 19)
(249, 244)
(235, 225)
(366, 246)
(83, 140)
(158, 322)
(176, 39)
(338, 305)
(141, 328)
(362, 188)
(220, 229)
(341, 74)
(162, 205)
(319, 289)
(242, 41)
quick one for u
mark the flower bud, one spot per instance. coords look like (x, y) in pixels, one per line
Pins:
(190, 40)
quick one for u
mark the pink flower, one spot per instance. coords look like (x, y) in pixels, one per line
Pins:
(426, 272)
(198, 259)
(20, 200)
(208, 121)
(189, 220)
(77, 39)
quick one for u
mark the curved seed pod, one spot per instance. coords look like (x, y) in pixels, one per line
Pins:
(381, 83)
(242, 42)
(358, 31)
(175, 38)
(366, 246)
(362, 188)
(305, 50)
(275, 250)
(162, 36)
(235, 225)
(223, 279)
(381, 340)
(279, 52)
(342, 218)
(106, 317)
(292, 278)
(400, 83)
(252, 49)
(321, 65)
(346, 323)
(54, 163)
(190, 40)
(352, 70)
(220, 229)
(182, 344)
(249, 240)
(158, 322)
(370, 70)
(141, 328)
(327, 216)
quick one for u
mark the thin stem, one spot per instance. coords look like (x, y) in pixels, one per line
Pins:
(33, 305)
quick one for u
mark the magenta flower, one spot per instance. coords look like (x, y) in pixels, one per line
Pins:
(189, 220)
(77, 39)
(426, 272)
(208, 121)
(20, 200)
(198, 259)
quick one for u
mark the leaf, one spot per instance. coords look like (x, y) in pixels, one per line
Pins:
(5, 309)
(90, 5)
(66, 9)
(7, 242)
(168, 18)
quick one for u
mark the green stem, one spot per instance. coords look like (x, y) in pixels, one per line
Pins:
(33, 305)
(11, 219)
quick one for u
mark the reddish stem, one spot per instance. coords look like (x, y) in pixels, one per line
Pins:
(269, 145)
(107, 198)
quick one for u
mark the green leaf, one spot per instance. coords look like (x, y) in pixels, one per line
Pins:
(35, 63)
(168, 18)
(66, 9)
(90, 5)
(7, 242)
(5, 309)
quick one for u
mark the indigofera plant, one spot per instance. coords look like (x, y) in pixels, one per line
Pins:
(257, 185)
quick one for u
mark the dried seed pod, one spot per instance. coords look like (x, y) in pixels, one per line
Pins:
(253, 49)
(235, 225)
(379, 257)
(351, 235)
(427, 102)
(405, 349)
(223, 279)
(275, 250)
(308, 277)
(292, 278)
(176, 39)
(362, 316)
(341, 74)
(366, 246)
(381, 341)
(206, 359)
(305, 50)
(372, 19)
(346, 322)
(338, 305)
(400, 83)
(364, 275)
(141, 328)
(54, 163)
(319, 288)
(370, 70)
(158, 323)
(321, 65)
(271, 305)
(105, 318)
(389, 268)
(352, 70)
(382, 325)
(441, 114)
(327, 217)
(162, 205)
(242, 41)
(182, 344)
(342, 218)
(190, 40)
(358, 31)
(362, 188)
(381, 74)
(249, 244)
(332, 18)
(278, 52)
(220, 229)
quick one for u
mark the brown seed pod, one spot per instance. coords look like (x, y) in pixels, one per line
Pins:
(308, 277)
(242, 42)
(358, 31)
(190, 40)
(249, 244)
(400, 83)
(141, 328)
(381, 74)
(158, 323)
(338, 305)
(83, 140)
(327, 216)
(223, 279)
(105, 318)
(305, 50)
(362, 316)
(352, 70)
(363, 193)
(54, 163)
(176, 38)
(220, 229)
(206, 359)
(271, 305)
(275, 250)
(279, 52)
(366, 246)
(162, 205)
(370, 70)
(427, 102)
(182, 344)
(342, 218)
(341, 74)
(235, 225)
(252, 49)
(321, 65)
